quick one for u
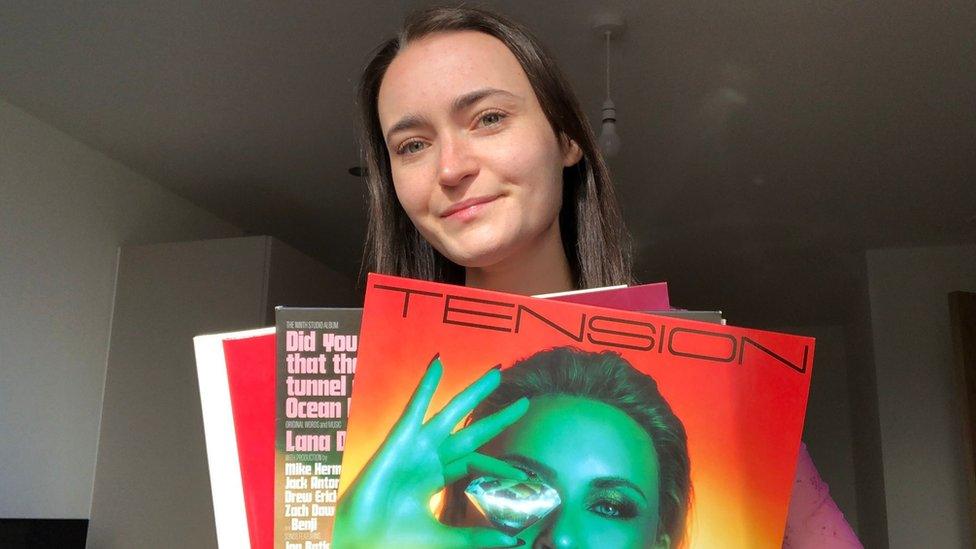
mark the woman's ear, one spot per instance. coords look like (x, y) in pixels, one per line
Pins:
(571, 151)
(663, 542)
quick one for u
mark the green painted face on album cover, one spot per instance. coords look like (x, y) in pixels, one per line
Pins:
(601, 463)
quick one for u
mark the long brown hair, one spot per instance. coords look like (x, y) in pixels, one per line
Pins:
(596, 243)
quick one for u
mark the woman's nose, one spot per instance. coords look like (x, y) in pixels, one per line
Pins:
(457, 163)
(559, 533)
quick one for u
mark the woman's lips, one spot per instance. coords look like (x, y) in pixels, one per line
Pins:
(468, 209)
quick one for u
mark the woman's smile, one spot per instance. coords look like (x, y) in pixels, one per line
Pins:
(470, 209)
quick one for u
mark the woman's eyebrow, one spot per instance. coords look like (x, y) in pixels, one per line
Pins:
(464, 101)
(616, 482)
(536, 466)
(408, 122)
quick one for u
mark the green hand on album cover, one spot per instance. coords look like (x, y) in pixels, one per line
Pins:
(388, 504)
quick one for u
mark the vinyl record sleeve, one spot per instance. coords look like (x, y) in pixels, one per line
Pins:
(236, 374)
(316, 358)
(740, 393)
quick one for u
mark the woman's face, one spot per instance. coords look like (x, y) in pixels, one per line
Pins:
(475, 163)
(602, 464)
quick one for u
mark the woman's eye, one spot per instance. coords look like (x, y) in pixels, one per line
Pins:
(614, 509)
(606, 509)
(491, 119)
(411, 147)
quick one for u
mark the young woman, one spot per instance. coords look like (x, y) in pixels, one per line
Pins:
(482, 170)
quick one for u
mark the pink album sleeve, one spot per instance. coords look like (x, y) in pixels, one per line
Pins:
(814, 520)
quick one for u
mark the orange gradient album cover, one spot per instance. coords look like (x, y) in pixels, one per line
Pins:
(651, 430)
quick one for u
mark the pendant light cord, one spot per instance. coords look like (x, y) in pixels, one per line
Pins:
(607, 34)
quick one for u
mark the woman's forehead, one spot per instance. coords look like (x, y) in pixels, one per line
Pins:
(431, 72)
(583, 438)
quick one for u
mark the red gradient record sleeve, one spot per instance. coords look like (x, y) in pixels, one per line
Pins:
(251, 376)
(740, 394)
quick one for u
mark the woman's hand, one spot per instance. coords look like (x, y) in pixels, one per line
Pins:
(388, 504)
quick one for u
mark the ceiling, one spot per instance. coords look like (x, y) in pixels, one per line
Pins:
(765, 143)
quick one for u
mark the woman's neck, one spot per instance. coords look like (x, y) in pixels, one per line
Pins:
(539, 268)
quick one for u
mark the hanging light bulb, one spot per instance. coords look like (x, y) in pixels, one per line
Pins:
(609, 139)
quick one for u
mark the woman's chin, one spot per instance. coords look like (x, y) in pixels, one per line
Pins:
(481, 257)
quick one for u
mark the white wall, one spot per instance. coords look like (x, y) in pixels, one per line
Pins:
(921, 432)
(64, 211)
